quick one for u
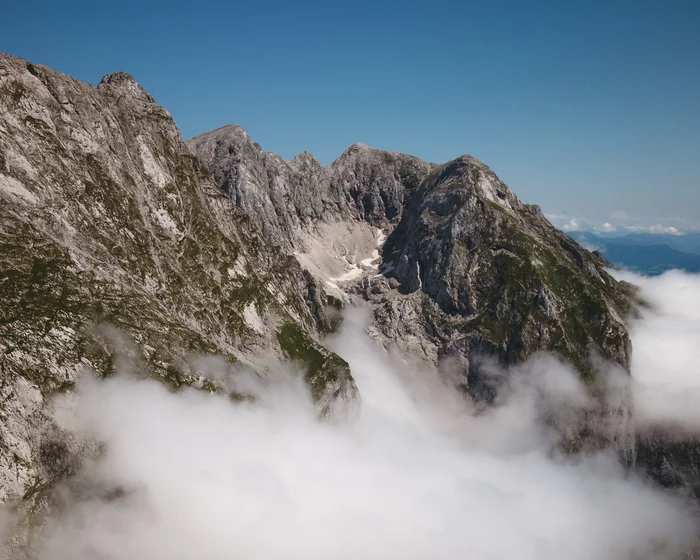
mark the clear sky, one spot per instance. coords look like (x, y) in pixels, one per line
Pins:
(586, 108)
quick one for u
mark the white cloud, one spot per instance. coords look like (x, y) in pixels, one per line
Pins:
(568, 223)
(557, 219)
(575, 224)
(571, 224)
(681, 223)
(666, 357)
(656, 228)
(606, 228)
(416, 475)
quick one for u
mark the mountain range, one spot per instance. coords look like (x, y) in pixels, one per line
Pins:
(649, 254)
(124, 248)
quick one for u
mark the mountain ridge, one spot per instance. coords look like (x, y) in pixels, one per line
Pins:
(108, 221)
(376, 188)
(124, 248)
(648, 254)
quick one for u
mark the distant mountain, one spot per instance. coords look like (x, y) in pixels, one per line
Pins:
(687, 243)
(646, 253)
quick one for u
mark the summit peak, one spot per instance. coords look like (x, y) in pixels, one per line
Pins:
(127, 84)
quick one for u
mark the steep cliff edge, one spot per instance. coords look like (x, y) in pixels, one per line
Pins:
(118, 250)
(498, 278)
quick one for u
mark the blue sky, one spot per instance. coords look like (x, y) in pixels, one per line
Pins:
(591, 110)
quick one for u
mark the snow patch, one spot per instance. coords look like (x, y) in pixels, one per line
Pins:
(369, 262)
(354, 272)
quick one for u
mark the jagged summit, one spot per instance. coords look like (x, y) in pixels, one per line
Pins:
(125, 83)
(355, 148)
(118, 78)
(475, 269)
(305, 156)
(112, 237)
(222, 131)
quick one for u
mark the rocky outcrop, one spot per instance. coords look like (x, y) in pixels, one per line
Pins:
(119, 251)
(459, 273)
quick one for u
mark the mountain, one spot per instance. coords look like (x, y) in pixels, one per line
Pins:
(289, 198)
(467, 270)
(685, 243)
(118, 250)
(646, 253)
(124, 248)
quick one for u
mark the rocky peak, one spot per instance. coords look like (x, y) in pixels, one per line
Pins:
(499, 274)
(467, 172)
(479, 271)
(306, 159)
(113, 236)
(289, 199)
(126, 84)
(355, 149)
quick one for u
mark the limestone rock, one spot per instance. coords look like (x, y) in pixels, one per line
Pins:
(119, 251)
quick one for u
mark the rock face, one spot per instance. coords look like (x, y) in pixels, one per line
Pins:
(119, 251)
(497, 278)
(289, 198)
(458, 272)
(467, 268)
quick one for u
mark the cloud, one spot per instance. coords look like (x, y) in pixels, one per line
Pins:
(575, 224)
(681, 223)
(666, 357)
(568, 223)
(571, 224)
(656, 228)
(635, 225)
(607, 228)
(420, 473)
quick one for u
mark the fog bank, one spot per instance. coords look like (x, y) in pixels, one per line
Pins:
(415, 476)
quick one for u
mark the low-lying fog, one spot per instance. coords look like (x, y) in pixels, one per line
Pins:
(417, 474)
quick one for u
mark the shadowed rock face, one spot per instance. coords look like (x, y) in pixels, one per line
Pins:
(468, 268)
(286, 198)
(499, 277)
(119, 251)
